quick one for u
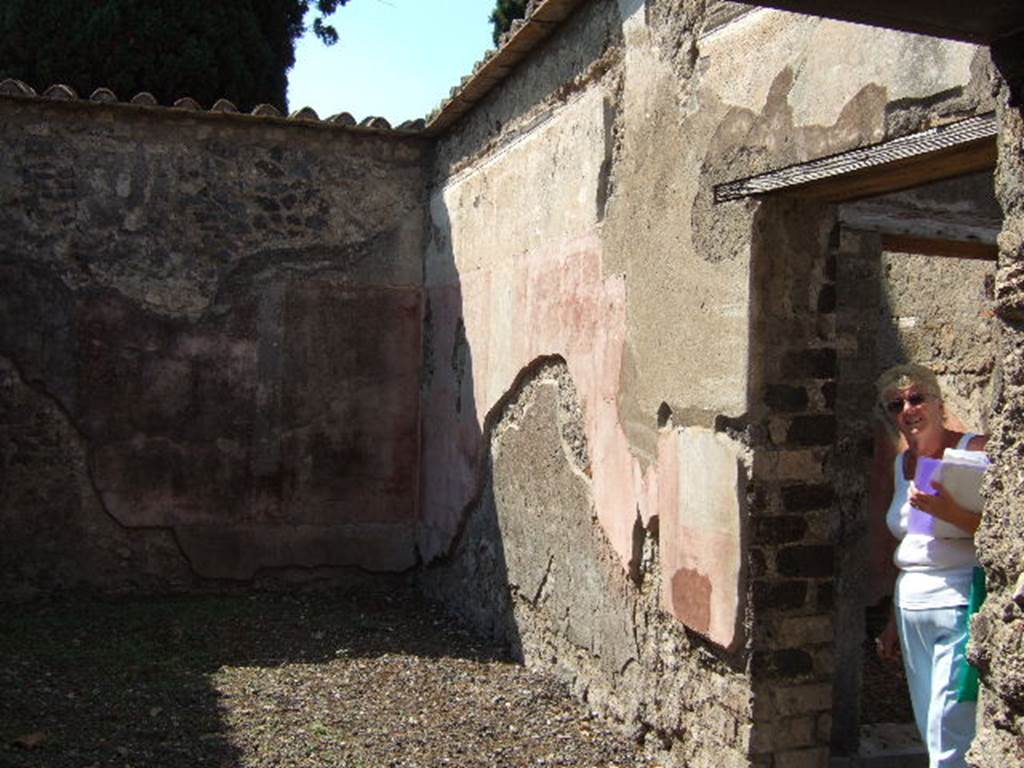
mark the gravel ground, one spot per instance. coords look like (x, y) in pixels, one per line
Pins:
(354, 680)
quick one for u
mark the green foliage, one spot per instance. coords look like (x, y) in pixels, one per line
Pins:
(207, 49)
(504, 13)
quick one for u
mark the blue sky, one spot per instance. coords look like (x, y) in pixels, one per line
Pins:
(395, 58)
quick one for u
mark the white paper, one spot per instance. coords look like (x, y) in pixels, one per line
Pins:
(961, 474)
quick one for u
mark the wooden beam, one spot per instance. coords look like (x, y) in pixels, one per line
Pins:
(960, 249)
(950, 150)
(982, 22)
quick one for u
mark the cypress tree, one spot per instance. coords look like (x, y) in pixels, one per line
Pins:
(504, 13)
(236, 49)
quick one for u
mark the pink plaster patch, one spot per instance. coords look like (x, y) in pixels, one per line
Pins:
(690, 594)
(703, 591)
(553, 303)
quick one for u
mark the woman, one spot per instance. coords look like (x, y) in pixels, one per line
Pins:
(936, 560)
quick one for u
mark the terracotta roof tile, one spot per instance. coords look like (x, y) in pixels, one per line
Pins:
(375, 122)
(103, 96)
(306, 113)
(60, 92)
(10, 87)
(223, 105)
(187, 102)
(265, 110)
(342, 118)
(144, 99)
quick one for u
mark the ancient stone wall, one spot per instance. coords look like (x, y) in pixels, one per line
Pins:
(533, 570)
(998, 630)
(573, 220)
(792, 432)
(209, 346)
(532, 353)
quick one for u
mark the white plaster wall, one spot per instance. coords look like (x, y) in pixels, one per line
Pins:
(831, 62)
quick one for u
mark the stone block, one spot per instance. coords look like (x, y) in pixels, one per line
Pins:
(806, 561)
(810, 430)
(821, 525)
(779, 595)
(803, 465)
(785, 397)
(816, 757)
(802, 699)
(789, 662)
(803, 630)
(827, 299)
(762, 737)
(794, 732)
(780, 529)
(803, 498)
(817, 363)
(783, 735)
(778, 428)
(763, 709)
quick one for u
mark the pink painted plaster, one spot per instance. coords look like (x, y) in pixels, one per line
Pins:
(554, 303)
(559, 303)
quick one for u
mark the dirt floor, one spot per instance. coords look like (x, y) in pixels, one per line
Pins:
(315, 679)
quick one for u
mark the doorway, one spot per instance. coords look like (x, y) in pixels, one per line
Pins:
(914, 278)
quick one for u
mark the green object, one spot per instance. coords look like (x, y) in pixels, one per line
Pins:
(968, 690)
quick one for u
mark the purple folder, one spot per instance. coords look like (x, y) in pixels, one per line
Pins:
(918, 521)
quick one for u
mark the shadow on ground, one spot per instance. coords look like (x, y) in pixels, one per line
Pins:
(307, 679)
(147, 682)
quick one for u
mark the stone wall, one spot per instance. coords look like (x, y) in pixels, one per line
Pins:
(792, 432)
(999, 628)
(533, 570)
(573, 221)
(209, 346)
(532, 353)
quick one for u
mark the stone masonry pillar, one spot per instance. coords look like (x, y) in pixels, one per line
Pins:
(997, 630)
(792, 555)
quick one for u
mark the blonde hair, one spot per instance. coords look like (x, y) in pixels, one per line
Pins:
(907, 375)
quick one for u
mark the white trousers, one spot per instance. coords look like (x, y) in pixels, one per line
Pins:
(934, 646)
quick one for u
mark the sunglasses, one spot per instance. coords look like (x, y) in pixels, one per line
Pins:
(895, 406)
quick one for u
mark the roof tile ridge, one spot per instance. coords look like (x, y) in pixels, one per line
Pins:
(12, 87)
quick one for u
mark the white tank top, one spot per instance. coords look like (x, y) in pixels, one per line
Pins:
(935, 567)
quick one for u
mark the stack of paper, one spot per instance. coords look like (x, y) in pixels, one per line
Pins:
(961, 474)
